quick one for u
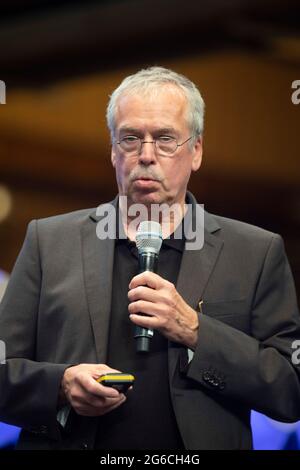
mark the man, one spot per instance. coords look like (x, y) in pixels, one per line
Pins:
(223, 336)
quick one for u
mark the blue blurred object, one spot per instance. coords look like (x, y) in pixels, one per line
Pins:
(273, 435)
(8, 435)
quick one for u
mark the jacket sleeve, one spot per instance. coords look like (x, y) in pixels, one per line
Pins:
(28, 388)
(260, 370)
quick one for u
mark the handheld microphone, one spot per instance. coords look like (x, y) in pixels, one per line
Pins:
(148, 242)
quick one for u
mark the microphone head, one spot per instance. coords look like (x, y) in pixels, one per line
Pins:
(149, 237)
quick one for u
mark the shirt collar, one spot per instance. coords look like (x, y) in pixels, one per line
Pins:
(176, 240)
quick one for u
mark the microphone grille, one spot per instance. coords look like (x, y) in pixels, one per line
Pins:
(149, 237)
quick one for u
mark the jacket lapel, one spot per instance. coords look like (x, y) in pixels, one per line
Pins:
(195, 271)
(98, 258)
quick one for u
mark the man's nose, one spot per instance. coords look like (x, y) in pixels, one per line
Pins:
(147, 154)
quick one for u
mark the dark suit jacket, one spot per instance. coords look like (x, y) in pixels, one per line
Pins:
(56, 309)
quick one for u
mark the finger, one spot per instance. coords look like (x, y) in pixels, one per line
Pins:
(148, 308)
(100, 410)
(144, 293)
(146, 322)
(116, 405)
(101, 402)
(103, 369)
(146, 278)
(91, 386)
(100, 389)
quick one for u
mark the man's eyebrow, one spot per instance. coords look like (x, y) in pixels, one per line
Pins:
(129, 130)
(166, 130)
(133, 130)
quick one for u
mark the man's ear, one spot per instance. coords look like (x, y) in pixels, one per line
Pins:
(197, 154)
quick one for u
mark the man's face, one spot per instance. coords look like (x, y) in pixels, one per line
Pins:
(149, 178)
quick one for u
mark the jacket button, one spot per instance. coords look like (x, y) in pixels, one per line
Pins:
(222, 385)
(206, 376)
(84, 446)
(43, 429)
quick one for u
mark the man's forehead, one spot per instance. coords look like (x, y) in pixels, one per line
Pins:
(153, 94)
(166, 106)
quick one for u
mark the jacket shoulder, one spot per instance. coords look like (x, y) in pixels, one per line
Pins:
(66, 218)
(59, 234)
(237, 229)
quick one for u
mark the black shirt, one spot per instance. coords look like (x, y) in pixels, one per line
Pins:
(146, 420)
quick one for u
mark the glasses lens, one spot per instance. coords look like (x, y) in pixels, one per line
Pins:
(166, 145)
(130, 144)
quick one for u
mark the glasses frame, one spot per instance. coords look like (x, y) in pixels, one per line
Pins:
(155, 145)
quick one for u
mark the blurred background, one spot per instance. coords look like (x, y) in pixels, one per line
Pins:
(61, 59)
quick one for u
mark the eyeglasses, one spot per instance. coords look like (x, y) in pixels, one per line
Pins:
(165, 146)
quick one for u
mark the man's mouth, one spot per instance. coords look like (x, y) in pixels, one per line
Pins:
(145, 182)
(146, 178)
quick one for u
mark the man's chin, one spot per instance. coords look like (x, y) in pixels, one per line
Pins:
(147, 198)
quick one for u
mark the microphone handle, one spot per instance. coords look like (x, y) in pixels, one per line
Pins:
(147, 262)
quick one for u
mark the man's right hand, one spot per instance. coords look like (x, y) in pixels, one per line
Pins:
(88, 397)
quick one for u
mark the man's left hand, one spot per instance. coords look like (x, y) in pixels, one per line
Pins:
(166, 310)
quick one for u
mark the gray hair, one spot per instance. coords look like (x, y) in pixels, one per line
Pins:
(147, 80)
